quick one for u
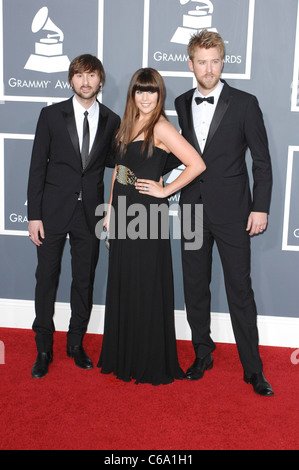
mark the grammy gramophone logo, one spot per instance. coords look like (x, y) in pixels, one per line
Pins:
(48, 56)
(196, 20)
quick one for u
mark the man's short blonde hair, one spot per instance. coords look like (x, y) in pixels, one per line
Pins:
(205, 40)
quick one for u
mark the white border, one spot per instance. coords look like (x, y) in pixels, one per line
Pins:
(3, 231)
(287, 203)
(273, 331)
(295, 85)
(244, 76)
(45, 99)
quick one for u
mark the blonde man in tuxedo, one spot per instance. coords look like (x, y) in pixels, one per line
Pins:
(222, 122)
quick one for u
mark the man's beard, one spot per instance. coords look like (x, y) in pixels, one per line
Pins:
(87, 97)
(208, 84)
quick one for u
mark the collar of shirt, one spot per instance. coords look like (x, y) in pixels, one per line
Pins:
(216, 93)
(93, 120)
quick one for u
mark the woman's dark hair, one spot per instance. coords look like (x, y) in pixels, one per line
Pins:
(145, 79)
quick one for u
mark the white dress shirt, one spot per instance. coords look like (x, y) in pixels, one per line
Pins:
(93, 120)
(203, 114)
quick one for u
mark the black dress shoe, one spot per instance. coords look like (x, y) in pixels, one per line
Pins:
(198, 368)
(260, 384)
(80, 356)
(41, 365)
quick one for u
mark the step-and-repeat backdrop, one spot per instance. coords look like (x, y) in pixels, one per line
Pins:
(39, 38)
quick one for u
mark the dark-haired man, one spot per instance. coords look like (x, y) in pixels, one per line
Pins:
(222, 122)
(72, 144)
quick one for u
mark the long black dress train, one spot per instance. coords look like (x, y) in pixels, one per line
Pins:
(139, 334)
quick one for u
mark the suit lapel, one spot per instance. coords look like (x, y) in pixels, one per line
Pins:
(221, 108)
(190, 121)
(69, 117)
(99, 135)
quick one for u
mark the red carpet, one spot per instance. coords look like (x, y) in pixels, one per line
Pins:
(71, 409)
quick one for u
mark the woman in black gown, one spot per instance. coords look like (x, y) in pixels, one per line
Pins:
(139, 335)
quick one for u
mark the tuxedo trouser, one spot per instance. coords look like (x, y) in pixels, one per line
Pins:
(233, 243)
(84, 258)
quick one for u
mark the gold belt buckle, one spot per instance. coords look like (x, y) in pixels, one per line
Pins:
(125, 176)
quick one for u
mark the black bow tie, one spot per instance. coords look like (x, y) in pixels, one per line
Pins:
(199, 100)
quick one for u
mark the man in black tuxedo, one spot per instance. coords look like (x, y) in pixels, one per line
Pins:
(70, 151)
(221, 122)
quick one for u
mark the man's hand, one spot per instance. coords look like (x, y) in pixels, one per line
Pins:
(257, 222)
(36, 231)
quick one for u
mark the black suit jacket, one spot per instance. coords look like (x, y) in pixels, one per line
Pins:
(237, 125)
(56, 176)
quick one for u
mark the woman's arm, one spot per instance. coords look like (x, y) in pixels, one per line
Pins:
(170, 139)
(107, 218)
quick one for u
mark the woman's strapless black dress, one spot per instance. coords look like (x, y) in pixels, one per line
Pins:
(139, 334)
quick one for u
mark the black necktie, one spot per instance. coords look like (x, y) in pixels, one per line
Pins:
(85, 142)
(199, 100)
